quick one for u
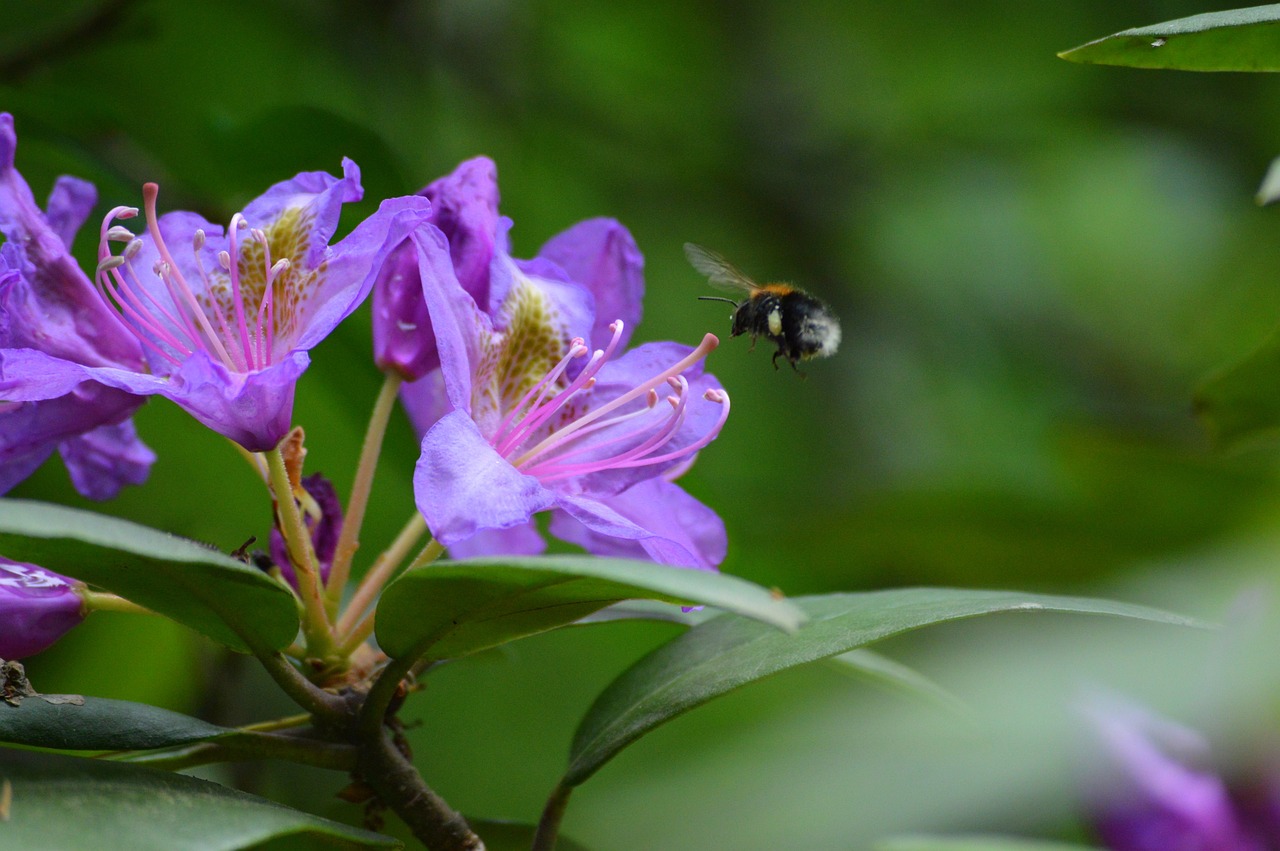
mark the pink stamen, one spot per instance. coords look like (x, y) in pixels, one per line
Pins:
(708, 345)
(175, 331)
(553, 458)
(237, 301)
(151, 191)
(577, 348)
(585, 379)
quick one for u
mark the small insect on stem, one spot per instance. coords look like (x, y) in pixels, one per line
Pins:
(801, 326)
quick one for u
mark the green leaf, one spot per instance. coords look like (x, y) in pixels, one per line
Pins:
(68, 802)
(881, 670)
(70, 722)
(1241, 404)
(450, 609)
(195, 585)
(973, 843)
(1233, 40)
(726, 652)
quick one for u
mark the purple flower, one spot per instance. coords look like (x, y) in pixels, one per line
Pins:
(37, 607)
(1157, 792)
(464, 205)
(523, 416)
(49, 307)
(225, 320)
(323, 518)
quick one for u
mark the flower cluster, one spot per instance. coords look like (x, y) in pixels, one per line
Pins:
(518, 375)
(525, 397)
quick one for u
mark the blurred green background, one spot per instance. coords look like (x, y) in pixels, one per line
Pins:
(1035, 263)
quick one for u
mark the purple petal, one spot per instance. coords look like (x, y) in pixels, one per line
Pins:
(403, 339)
(458, 323)
(70, 203)
(319, 195)
(465, 208)
(571, 304)
(462, 486)
(425, 401)
(30, 430)
(1152, 800)
(654, 519)
(253, 409)
(57, 309)
(37, 607)
(352, 265)
(523, 540)
(601, 255)
(101, 462)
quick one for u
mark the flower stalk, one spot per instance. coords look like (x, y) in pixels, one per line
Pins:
(315, 624)
(378, 576)
(349, 539)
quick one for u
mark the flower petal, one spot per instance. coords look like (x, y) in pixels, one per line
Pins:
(653, 519)
(1153, 800)
(521, 540)
(31, 430)
(458, 323)
(253, 409)
(319, 195)
(425, 401)
(70, 203)
(465, 208)
(101, 462)
(56, 307)
(351, 266)
(403, 339)
(462, 486)
(37, 607)
(602, 255)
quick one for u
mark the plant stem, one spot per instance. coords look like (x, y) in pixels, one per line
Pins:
(320, 703)
(380, 573)
(429, 553)
(254, 459)
(374, 710)
(315, 626)
(400, 787)
(99, 601)
(245, 746)
(552, 814)
(353, 518)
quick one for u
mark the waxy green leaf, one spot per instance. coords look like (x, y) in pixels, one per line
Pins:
(1241, 404)
(727, 652)
(69, 722)
(882, 671)
(450, 609)
(68, 802)
(196, 585)
(1232, 40)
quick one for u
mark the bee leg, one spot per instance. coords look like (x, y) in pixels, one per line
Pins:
(753, 344)
(775, 358)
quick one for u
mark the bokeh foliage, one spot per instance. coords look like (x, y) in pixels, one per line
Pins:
(1035, 262)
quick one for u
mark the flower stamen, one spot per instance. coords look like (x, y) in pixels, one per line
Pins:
(560, 454)
(189, 324)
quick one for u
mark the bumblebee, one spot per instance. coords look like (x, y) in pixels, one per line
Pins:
(800, 325)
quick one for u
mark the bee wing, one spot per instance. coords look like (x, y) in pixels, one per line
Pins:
(720, 272)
